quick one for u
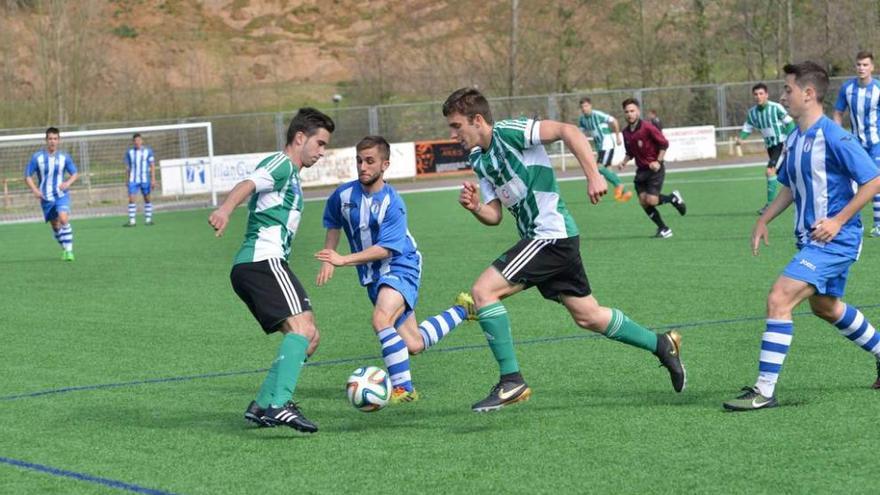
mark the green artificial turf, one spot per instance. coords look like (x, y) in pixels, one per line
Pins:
(156, 303)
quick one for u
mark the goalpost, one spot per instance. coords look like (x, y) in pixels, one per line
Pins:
(102, 186)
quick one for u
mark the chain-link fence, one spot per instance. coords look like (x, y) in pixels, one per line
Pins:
(721, 105)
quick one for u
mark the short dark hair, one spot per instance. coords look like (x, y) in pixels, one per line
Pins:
(136, 135)
(864, 54)
(809, 74)
(308, 120)
(53, 130)
(468, 102)
(586, 99)
(369, 142)
(760, 86)
(630, 101)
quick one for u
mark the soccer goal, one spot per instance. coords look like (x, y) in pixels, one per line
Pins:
(184, 157)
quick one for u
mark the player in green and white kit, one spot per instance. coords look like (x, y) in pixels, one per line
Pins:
(774, 123)
(515, 172)
(260, 275)
(599, 126)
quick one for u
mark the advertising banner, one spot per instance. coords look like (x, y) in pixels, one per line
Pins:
(192, 175)
(440, 156)
(690, 143)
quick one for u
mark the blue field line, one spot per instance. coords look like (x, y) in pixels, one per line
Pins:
(63, 473)
(358, 359)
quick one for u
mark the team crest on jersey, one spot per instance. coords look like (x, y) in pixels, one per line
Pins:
(808, 145)
(374, 208)
(639, 143)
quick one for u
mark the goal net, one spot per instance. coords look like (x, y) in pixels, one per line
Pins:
(184, 173)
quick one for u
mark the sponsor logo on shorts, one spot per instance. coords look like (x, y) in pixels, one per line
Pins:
(808, 265)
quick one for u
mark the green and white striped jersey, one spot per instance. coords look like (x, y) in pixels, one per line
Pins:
(274, 211)
(516, 171)
(596, 124)
(771, 120)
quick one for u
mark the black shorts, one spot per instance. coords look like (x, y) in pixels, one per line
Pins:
(553, 265)
(648, 181)
(604, 157)
(270, 290)
(775, 154)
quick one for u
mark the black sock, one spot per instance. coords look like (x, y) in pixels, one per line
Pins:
(665, 198)
(654, 215)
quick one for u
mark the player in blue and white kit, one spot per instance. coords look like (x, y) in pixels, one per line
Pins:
(829, 177)
(389, 264)
(50, 165)
(140, 163)
(862, 96)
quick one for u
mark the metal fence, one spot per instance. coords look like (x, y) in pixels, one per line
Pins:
(721, 105)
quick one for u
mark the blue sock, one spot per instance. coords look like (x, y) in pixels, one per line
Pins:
(132, 211)
(436, 327)
(148, 212)
(854, 326)
(396, 357)
(774, 348)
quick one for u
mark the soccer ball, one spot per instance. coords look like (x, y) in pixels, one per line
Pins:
(369, 388)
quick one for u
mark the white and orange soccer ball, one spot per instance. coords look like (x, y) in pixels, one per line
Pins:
(369, 388)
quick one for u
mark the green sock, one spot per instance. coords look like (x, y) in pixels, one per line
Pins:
(622, 329)
(291, 356)
(609, 176)
(772, 189)
(496, 326)
(264, 396)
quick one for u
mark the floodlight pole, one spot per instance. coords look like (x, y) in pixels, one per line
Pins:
(511, 63)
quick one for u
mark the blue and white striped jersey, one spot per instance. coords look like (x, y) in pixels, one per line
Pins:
(823, 167)
(138, 162)
(863, 104)
(374, 220)
(50, 170)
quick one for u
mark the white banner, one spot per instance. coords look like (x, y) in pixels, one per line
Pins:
(191, 175)
(690, 143)
(685, 143)
(185, 176)
(403, 161)
(335, 167)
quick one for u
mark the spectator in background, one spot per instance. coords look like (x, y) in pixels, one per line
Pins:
(654, 119)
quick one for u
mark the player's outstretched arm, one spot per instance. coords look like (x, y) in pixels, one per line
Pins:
(760, 232)
(826, 229)
(331, 241)
(219, 219)
(469, 199)
(615, 128)
(372, 253)
(552, 131)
